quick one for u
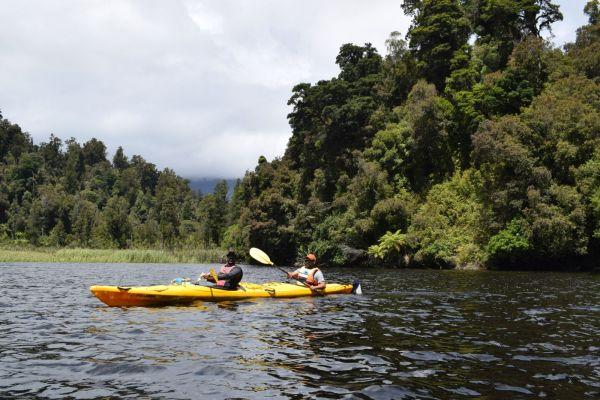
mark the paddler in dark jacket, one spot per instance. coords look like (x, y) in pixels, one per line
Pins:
(309, 274)
(229, 276)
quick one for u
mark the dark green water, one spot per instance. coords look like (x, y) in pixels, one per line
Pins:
(412, 335)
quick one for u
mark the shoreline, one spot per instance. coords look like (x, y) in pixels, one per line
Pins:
(84, 255)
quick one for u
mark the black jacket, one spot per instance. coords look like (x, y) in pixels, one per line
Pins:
(232, 278)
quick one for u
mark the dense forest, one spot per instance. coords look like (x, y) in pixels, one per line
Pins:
(67, 194)
(474, 142)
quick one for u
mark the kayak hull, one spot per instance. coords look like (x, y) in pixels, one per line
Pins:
(186, 293)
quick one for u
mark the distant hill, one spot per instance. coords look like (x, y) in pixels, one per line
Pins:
(207, 185)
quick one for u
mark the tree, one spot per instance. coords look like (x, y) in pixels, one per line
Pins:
(147, 173)
(429, 119)
(439, 29)
(170, 194)
(496, 24)
(220, 212)
(398, 70)
(537, 15)
(446, 231)
(120, 159)
(13, 140)
(83, 216)
(52, 155)
(592, 10)
(94, 151)
(117, 223)
(501, 24)
(585, 52)
(357, 62)
(74, 166)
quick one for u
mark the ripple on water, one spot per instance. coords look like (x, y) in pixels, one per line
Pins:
(414, 334)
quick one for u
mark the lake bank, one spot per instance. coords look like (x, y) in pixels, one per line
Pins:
(79, 255)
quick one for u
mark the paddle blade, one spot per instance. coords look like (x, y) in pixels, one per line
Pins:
(214, 275)
(260, 256)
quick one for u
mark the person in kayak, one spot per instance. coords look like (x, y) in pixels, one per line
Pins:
(229, 276)
(309, 274)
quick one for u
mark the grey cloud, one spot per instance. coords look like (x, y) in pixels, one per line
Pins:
(198, 86)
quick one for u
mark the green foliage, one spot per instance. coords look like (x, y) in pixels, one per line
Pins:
(392, 247)
(83, 255)
(448, 221)
(429, 117)
(500, 24)
(592, 9)
(440, 28)
(55, 195)
(511, 243)
(120, 159)
(585, 52)
(391, 148)
(333, 120)
(489, 160)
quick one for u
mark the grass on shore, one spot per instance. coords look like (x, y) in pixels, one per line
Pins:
(197, 256)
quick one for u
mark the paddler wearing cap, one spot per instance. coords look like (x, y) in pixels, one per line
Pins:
(309, 273)
(229, 275)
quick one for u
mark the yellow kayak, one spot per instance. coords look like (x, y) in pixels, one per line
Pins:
(186, 292)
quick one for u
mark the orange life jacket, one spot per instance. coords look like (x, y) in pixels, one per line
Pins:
(310, 277)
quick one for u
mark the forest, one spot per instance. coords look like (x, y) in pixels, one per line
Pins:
(473, 142)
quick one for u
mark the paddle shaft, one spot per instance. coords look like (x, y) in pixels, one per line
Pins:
(281, 269)
(297, 280)
(264, 258)
(285, 272)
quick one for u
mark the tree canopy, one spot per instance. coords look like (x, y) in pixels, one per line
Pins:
(445, 152)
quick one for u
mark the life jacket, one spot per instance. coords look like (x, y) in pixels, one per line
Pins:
(225, 269)
(308, 275)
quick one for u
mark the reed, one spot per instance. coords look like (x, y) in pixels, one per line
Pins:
(76, 255)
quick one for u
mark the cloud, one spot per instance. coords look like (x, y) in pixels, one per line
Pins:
(197, 86)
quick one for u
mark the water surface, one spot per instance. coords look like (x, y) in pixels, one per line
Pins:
(413, 334)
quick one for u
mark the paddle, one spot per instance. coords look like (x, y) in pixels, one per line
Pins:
(214, 275)
(263, 258)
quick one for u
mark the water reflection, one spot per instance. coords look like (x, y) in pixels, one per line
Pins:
(414, 334)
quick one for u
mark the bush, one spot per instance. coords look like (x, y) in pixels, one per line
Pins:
(509, 244)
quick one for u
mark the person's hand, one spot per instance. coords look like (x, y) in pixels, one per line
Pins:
(289, 275)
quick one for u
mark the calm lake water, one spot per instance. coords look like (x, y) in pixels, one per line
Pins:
(413, 334)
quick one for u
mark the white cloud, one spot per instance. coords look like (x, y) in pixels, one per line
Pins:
(198, 86)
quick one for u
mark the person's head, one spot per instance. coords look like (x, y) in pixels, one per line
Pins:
(230, 257)
(311, 259)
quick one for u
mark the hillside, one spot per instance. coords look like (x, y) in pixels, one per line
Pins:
(442, 153)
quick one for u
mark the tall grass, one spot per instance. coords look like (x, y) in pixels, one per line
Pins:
(111, 255)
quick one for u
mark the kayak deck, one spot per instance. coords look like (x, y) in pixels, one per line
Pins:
(186, 293)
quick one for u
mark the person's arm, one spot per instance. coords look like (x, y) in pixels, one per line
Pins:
(320, 278)
(235, 271)
(293, 275)
(206, 276)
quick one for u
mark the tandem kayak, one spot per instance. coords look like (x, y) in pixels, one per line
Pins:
(186, 292)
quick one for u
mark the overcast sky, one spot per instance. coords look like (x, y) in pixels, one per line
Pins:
(197, 86)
